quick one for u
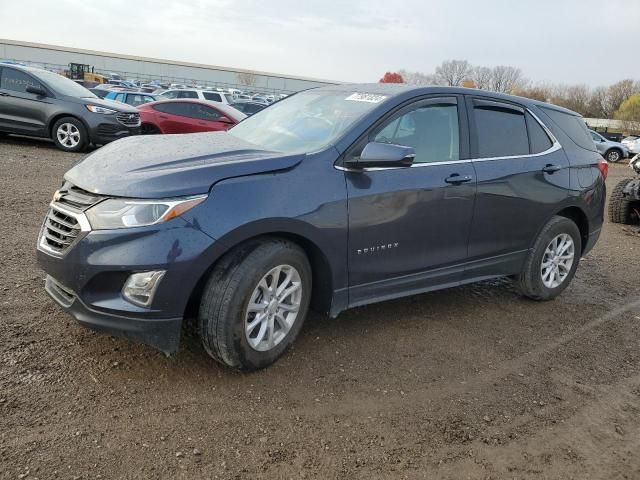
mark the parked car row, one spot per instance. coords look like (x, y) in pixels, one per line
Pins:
(41, 103)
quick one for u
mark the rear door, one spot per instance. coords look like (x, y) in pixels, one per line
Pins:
(522, 176)
(409, 227)
(22, 112)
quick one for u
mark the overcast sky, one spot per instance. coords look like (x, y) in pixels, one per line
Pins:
(571, 41)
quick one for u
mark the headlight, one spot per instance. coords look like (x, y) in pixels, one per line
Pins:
(125, 213)
(97, 109)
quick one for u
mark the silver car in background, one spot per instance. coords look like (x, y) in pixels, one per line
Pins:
(611, 151)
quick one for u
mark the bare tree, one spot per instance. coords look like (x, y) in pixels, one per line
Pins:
(418, 78)
(247, 79)
(599, 105)
(481, 76)
(505, 79)
(453, 72)
(539, 92)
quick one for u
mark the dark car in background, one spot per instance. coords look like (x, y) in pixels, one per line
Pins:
(100, 92)
(40, 103)
(135, 99)
(332, 198)
(187, 116)
(248, 107)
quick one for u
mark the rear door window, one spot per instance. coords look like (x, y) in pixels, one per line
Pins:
(214, 97)
(501, 130)
(187, 94)
(573, 126)
(181, 109)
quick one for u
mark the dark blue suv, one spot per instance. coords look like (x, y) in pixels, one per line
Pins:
(332, 198)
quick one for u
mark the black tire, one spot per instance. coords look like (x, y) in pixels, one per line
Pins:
(620, 210)
(83, 141)
(226, 296)
(613, 156)
(529, 281)
(148, 129)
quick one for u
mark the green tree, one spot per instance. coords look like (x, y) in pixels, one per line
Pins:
(629, 112)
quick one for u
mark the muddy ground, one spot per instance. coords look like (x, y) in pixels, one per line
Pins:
(473, 382)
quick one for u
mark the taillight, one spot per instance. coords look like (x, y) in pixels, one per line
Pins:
(603, 166)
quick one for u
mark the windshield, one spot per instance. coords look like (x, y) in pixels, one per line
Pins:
(307, 121)
(63, 85)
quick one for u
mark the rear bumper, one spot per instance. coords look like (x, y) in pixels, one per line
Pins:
(160, 333)
(592, 239)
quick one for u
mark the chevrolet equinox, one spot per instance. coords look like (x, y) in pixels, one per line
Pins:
(333, 198)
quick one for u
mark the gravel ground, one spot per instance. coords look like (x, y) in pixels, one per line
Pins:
(472, 382)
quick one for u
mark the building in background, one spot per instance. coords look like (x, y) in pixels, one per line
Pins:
(58, 58)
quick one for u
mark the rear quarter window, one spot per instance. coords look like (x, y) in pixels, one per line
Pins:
(573, 126)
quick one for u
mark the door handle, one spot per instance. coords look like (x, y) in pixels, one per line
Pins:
(549, 168)
(164, 117)
(455, 178)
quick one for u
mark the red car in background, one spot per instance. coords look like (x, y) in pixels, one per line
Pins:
(187, 116)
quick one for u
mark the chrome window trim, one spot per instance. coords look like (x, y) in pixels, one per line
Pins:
(83, 222)
(555, 146)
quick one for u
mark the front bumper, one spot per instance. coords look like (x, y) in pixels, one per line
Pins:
(106, 128)
(87, 280)
(161, 333)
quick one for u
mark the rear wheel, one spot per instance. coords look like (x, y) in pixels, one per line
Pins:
(553, 260)
(621, 208)
(613, 156)
(69, 135)
(255, 303)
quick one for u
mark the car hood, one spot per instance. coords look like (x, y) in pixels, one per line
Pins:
(163, 166)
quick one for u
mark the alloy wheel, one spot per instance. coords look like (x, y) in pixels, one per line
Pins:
(68, 135)
(273, 308)
(557, 260)
(613, 156)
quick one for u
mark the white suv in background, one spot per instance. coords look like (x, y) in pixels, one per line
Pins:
(632, 143)
(220, 97)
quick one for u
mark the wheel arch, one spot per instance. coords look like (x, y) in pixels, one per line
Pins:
(579, 217)
(321, 269)
(617, 149)
(58, 116)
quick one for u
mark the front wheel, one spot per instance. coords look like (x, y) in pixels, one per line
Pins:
(70, 135)
(553, 260)
(613, 156)
(255, 303)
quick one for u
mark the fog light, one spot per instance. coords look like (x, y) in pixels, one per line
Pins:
(140, 288)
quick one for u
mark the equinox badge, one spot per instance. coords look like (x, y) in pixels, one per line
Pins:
(378, 248)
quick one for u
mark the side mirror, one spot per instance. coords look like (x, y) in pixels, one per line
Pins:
(36, 90)
(225, 120)
(384, 155)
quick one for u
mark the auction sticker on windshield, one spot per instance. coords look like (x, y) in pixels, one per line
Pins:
(366, 97)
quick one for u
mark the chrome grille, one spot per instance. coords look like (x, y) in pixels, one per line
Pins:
(129, 119)
(66, 222)
(59, 231)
